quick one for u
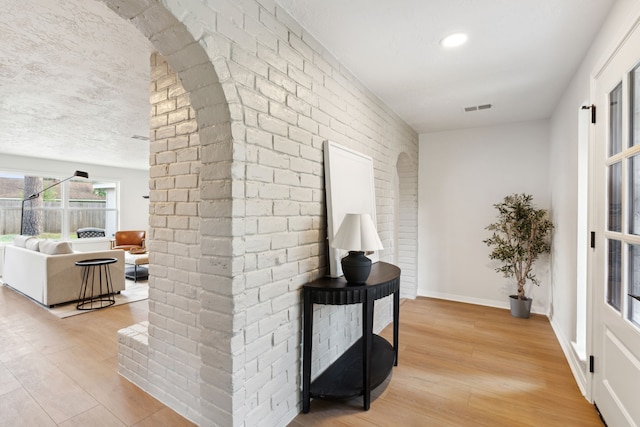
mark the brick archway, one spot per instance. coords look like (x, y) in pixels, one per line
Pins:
(190, 208)
(407, 224)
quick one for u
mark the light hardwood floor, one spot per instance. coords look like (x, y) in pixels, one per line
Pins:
(467, 365)
(63, 372)
(460, 365)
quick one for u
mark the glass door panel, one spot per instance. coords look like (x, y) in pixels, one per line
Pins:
(634, 195)
(634, 284)
(614, 279)
(614, 222)
(635, 106)
(615, 120)
(633, 304)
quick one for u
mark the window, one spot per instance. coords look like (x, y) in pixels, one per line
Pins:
(57, 212)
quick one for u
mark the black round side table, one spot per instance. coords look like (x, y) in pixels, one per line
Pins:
(96, 290)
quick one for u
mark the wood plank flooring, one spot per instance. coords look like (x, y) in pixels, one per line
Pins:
(460, 365)
(467, 365)
(64, 372)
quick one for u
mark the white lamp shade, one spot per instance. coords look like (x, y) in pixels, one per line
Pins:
(357, 233)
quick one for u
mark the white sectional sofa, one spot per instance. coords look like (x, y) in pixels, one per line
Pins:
(45, 270)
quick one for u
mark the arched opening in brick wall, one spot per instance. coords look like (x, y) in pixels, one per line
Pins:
(406, 226)
(190, 211)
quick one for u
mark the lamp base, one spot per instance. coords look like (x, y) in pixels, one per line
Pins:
(356, 267)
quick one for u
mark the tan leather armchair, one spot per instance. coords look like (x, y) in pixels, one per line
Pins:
(130, 239)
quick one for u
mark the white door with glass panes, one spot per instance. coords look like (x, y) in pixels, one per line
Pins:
(615, 268)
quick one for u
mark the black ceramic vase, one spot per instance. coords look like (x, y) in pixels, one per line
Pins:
(356, 267)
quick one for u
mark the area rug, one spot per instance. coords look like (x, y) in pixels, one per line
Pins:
(133, 292)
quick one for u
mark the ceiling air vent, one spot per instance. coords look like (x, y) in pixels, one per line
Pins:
(477, 108)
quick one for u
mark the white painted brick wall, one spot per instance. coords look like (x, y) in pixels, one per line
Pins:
(133, 354)
(237, 217)
(407, 224)
(172, 360)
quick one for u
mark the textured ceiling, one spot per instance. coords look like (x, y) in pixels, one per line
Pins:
(74, 77)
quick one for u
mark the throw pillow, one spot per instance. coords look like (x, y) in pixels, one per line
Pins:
(21, 240)
(50, 247)
(33, 244)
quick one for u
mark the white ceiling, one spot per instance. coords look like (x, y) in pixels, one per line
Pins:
(74, 79)
(74, 76)
(520, 56)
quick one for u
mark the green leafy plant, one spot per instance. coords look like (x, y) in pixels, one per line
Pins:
(520, 235)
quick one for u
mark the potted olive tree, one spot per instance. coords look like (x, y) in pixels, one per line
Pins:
(520, 235)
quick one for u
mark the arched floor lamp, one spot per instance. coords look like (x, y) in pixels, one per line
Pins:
(81, 174)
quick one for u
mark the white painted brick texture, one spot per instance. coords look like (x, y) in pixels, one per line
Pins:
(407, 224)
(291, 105)
(237, 221)
(171, 368)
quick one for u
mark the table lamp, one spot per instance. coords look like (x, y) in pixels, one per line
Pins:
(356, 234)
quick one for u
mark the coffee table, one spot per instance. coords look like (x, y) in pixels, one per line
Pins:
(136, 271)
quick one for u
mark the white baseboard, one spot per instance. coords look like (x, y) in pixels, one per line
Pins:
(576, 364)
(479, 301)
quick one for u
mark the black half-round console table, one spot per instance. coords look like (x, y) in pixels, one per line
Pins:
(368, 362)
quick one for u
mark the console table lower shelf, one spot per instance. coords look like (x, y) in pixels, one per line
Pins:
(343, 379)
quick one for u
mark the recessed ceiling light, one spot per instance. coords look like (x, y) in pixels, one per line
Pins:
(454, 40)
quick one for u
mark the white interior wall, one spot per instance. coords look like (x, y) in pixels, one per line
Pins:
(462, 174)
